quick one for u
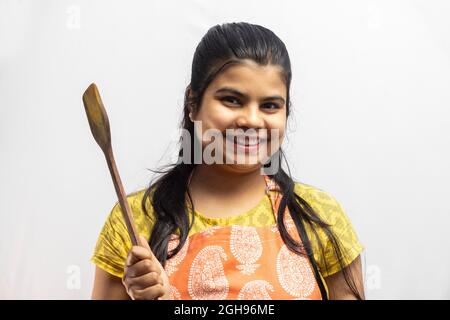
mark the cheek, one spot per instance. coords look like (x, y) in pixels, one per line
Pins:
(215, 116)
(278, 124)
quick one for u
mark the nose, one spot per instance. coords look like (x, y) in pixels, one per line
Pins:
(250, 117)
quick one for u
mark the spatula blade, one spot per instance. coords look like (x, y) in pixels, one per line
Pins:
(97, 117)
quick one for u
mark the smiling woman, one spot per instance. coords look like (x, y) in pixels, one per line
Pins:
(232, 230)
(246, 96)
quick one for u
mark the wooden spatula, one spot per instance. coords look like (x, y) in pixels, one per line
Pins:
(99, 123)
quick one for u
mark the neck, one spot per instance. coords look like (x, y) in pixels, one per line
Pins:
(219, 180)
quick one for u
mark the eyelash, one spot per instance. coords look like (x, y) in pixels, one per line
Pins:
(227, 98)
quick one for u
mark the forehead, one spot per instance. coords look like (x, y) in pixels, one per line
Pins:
(251, 78)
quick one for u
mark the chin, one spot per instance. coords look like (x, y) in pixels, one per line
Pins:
(244, 168)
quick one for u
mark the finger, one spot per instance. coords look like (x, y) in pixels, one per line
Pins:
(150, 293)
(140, 268)
(147, 280)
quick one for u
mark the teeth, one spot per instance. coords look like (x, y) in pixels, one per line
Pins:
(247, 141)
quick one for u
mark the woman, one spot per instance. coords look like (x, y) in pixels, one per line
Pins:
(222, 229)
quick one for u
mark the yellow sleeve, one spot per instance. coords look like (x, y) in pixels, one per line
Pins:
(114, 243)
(331, 212)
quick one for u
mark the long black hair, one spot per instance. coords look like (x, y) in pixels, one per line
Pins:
(222, 46)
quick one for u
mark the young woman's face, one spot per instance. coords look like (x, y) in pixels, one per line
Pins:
(245, 96)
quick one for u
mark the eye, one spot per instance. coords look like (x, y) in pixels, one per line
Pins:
(271, 106)
(230, 99)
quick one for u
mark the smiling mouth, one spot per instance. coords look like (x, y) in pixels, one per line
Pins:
(246, 141)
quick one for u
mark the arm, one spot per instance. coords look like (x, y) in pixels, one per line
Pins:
(108, 287)
(338, 288)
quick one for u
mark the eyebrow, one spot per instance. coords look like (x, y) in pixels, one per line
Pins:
(242, 95)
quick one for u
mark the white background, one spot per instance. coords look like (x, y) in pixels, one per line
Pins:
(371, 125)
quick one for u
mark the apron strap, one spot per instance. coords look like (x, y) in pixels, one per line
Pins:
(273, 191)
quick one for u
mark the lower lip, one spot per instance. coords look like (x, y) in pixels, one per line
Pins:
(247, 148)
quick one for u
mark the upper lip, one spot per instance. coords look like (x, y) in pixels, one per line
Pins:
(248, 140)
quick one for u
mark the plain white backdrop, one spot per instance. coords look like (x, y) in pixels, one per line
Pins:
(370, 125)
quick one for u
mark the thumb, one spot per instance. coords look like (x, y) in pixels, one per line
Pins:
(143, 243)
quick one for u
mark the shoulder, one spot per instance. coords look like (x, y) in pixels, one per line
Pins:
(330, 211)
(325, 204)
(143, 218)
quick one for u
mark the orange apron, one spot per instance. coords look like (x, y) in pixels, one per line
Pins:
(242, 263)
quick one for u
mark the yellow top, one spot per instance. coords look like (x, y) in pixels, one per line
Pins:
(114, 242)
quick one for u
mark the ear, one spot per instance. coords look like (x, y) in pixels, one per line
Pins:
(190, 97)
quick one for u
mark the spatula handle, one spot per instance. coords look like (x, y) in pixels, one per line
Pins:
(121, 195)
